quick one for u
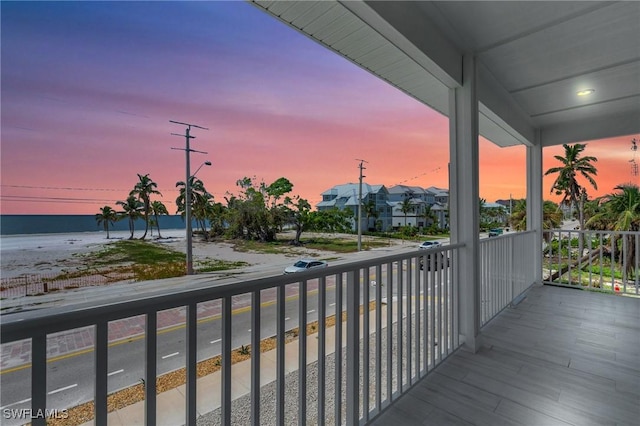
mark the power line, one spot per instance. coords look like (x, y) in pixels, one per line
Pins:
(53, 199)
(419, 176)
(62, 188)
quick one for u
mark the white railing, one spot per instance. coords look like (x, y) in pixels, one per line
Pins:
(507, 270)
(595, 260)
(410, 326)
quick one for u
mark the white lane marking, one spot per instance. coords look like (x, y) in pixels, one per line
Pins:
(311, 311)
(63, 389)
(113, 373)
(249, 330)
(16, 403)
(216, 341)
(332, 304)
(170, 355)
(287, 319)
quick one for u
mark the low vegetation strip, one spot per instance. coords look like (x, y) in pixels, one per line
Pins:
(130, 260)
(142, 260)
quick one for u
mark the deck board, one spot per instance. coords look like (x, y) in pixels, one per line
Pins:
(561, 357)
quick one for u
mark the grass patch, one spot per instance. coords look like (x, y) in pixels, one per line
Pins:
(338, 245)
(135, 251)
(213, 265)
(139, 261)
(341, 245)
(158, 271)
(273, 247)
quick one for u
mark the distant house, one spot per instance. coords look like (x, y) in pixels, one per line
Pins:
(495, 212)
(417, 199)
(433, 198)
(345, 196)
(440, 195)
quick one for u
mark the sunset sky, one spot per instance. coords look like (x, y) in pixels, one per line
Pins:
(88, 89)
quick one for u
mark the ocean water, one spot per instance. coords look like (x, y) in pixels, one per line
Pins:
(56, 224)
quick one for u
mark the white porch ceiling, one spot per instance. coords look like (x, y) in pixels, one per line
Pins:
(533, 58)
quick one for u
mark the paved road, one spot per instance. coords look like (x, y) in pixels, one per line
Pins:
(71, 377)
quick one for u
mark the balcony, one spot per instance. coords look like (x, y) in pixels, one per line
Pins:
(560, 357)
(547, 355)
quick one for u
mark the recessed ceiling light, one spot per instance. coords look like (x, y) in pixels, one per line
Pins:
(585, 92)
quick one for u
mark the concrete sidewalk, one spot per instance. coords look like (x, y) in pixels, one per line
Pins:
(171, 405)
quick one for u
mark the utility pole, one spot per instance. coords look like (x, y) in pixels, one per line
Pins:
(359, 225)
(187, 189)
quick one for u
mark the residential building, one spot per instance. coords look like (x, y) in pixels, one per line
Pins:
(415, 198)
(345, 196)
(440, 195)
(494, 212)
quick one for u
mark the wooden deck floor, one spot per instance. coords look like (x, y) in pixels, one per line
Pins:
(561, 357)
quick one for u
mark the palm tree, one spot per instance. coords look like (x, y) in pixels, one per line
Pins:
(624, 208)
(371, 211)
(621, 212)
(131, 209)
(200, 199)
(143, 189)
(198, 191)
(592, 214)
(566, 183)
(157, 209)
(482, 211)
(551, 215)
(106, 216)
(217, 219)
(428, 215)
(406, 207)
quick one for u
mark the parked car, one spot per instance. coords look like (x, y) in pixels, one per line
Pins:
(429, 244)
(304, 265)
(495, 232)
(440, 261)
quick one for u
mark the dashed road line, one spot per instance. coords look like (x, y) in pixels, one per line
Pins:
(170, 355)
(15, 403)
(113, 373)
(215, 341)
(63, 389)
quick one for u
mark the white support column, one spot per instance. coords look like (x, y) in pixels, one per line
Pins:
(535, 201)
(463, 208)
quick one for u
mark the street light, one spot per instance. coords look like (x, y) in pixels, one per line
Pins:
(187, 217)
(206, 163)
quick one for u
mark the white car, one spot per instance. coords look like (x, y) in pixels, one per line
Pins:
(429, 244)
(304, 265)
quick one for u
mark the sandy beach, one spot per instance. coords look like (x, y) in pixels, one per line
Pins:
(55, 253)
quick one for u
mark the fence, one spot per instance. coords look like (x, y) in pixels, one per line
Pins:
(36, 284)
(596, 260)
(506, 270)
